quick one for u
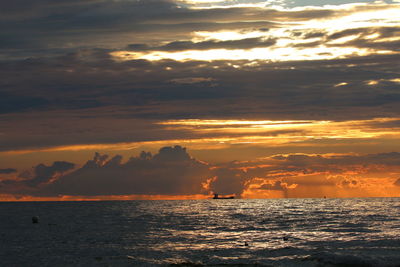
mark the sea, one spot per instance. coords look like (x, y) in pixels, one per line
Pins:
(222, 232)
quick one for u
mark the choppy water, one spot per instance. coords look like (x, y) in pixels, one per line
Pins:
(282, 232)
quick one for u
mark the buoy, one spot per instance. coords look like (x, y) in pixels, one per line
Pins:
(35, 219)
(246, 244)
(285, 238)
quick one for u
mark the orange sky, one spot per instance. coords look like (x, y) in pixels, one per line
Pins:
(181, 99)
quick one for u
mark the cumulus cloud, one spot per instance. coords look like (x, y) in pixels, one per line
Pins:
(303, 175)
(76, 71)
(277, 185)
(169, 172)
(32, 181)
(43, 174)
(228, 181)
(8, 171)
(172, 171)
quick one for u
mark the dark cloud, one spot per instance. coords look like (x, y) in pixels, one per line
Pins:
(15, 103)
(390, 124)
(32, 181)
(397, 183)
(43, 174)
(45, 27)
(206, 45)
(171, 171)
(345, 33)
(362, 38)
(228, 181)
(349, 183)
(86, 90)
(8, 171)
(380, 41)
(309, 169)
(277, 185)
(383, 32)
(312, 34)
(62, 51)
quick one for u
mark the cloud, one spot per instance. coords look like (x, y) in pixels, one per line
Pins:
(43, 174)
(206, 45)
(17, 103)
(31, 181)
(172, 171)
(301, 160)
(397, 182)
(76, 95)
(192, 80)
(169, 172)
(8, 171)
(228, 181)
(348, 183)
(301, 175)
(46, 27)
(87, 90)
(276, 185)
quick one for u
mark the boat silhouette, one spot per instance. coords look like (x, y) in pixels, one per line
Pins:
(216, 196)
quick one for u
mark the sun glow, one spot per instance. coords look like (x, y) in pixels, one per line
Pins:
(219, 134)
(291, 129)
(226, 35)
(262, 54)
(290, 45)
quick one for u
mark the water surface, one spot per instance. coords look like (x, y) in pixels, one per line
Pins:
(281, 232)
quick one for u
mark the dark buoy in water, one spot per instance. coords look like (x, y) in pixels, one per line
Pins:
(35, 219)
(246, 244)
(285, 238)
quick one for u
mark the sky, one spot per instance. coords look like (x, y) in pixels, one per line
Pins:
(180, 99)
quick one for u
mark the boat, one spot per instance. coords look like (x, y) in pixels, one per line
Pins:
(216, 196)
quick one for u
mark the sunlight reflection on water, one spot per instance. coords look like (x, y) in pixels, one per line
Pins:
(280, 232)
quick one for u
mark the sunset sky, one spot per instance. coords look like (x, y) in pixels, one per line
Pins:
(180, 99)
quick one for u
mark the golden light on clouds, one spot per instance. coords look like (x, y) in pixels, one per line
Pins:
(219, 134)
(289, 45)
(208, 4)
(197, 122)
(304, 129)
(274, 98)
(264, 54)
(226, 35)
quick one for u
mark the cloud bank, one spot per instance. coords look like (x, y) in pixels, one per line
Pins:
(173, 172)
(121, 76)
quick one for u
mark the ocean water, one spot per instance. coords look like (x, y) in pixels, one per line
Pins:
(280, 232)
